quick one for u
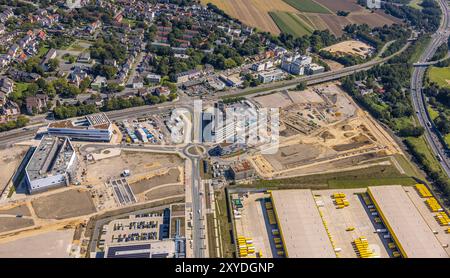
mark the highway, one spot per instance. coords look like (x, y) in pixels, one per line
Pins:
(199, 219)
(17, 135)
(418, 98)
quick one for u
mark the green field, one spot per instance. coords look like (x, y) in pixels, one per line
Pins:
(415, 4)
(425, 150)
(21, 87)
(308, 6)
(42, 51)
(370, 176)
(447, 139)
(440, 76)
(433, 113)
(290, 23)
(418, 49)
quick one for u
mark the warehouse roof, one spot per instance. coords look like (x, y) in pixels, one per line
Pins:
(302, 229)
(409, 229)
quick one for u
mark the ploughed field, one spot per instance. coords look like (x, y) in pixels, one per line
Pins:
(301, 17)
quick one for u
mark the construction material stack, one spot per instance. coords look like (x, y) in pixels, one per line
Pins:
(443, 219)
(246, 247)
(362, 248)
(270, 213)
(340, 201)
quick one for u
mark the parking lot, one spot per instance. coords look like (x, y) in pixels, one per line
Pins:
(148, 130)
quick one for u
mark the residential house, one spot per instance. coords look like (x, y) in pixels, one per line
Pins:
(6, 85)
(162, 91)
(10, 109)
(36, 104)
(84, 57)
(77, 75)
(98, 83)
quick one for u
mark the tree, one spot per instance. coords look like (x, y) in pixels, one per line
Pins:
(301, 86)
(53, 64)
(443, 123)
(153, 99)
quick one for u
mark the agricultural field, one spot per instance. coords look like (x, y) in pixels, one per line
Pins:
(340, 5)
(253, 12)
(290, 23)
(317, 14)
(440, 76)
(308, 6)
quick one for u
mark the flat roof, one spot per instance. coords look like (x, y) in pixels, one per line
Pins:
(408, 228)
(155, 249)
(93, 121)
(302, 229)
(51, 157)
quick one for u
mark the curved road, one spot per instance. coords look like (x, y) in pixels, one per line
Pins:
(419, 102)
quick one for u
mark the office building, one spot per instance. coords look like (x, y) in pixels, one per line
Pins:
(51, 165)
(95, 127)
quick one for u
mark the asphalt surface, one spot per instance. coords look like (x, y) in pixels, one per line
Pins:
(418, 98)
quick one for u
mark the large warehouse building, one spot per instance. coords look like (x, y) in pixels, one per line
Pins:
(412, 234)
(301, 227)
(95, 127)
(51, 164)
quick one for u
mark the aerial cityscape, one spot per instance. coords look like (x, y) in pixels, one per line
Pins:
(224, 129)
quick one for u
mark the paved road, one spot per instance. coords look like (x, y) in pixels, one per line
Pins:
(199, 220)
(313, 79)
(419, 102)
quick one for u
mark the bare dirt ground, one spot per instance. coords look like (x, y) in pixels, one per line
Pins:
(171, 176)
(14, 223)
(340, 5)
(372, 19)
(54, 244)
(334, 23)
(333, 64)
(342, 136)
(164, 191)
(10, 159)
(15, 210)
(66, 204)
(351, 47)
(139, 164)
(253, 12)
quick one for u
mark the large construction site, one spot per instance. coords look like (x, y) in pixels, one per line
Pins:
(322, 130)
(374, 222)
(108, 179)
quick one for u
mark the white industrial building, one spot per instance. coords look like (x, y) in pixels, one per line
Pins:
(51, 165)
(270, 76)
(296, 64)
(95, 127)
(373, 4)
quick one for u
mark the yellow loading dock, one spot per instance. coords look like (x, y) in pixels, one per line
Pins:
(349, 223)
(410, 231)
(429, 217)
(301, 228)
(253, 224)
